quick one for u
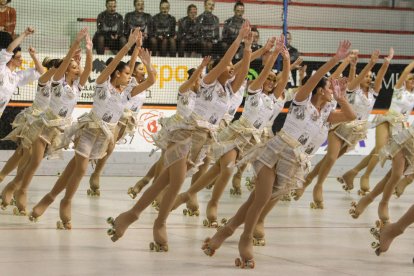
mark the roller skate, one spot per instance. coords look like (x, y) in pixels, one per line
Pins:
(316, 205)
(40, 208)
(192, 206)
(236, 190)
(18, 212)
(239, 262)
(94, 186)
(156, 205)
(384, 217)
(317, 202)
(189, 212)
(358, 208)
(210, 186)
(364, 183)
(401, 185)
(211, 213)
(206, 248)
(297, 193)
(120, 225)
(134, 191)
(61, 225)
(258, 235)
(250, 183)
(384, 236)
(210, 223)
(159, 232)
(347, 180)
(286, 197)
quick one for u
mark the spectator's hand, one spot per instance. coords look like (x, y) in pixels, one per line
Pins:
(248, 40)
(82, 33)
(145, 56)
(206, 60)
(296, 64)
(269, 44)
(343, 50)
(29, 31)
(390, 55)
(133, 37)
(89, 44)
(375, 56)
(245, 29)
(32, 52)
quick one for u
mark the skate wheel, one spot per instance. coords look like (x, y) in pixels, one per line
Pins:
(59, 225)
(110, 232)
(238, 262)
(197, 213)
(213, 224)
(312, 205)
(340, 180)
(353, 204)
(110, 220)
(152, 246)
(377, 251)
(98, 193)
(224, 221)
(375, 245)
(205, 222)
(89, 192)
(185, 212)
(250, 264)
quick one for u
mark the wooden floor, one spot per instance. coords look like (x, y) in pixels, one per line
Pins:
(299, 241)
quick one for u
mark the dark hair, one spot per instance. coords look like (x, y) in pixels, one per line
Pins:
(120, 67)
(205, 1)
(238, 3)
(16, 50)
(190, 7)
(109, 60)
(107, 1)
(321, 84)
(164, 1)
(190, 72)
(135, 2)
(254, 29)
(137, 63)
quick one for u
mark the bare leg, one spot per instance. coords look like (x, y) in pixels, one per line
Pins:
(65, 209)
(334, 148)
(402, 184)
(226, 160)
(59, 186)
(358, 208)
(236, 190)
(348, 178)
(12, 163)
(398, 166)
(297, 194)
(381, 138)
(94, 179)
(134, 191)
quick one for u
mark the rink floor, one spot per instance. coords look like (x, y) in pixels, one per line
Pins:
(299, 240)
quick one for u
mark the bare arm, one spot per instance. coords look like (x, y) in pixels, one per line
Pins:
(226, 59)
(19, 39)
(60, 72)
(190, 82)
(258, 53)
(352, 68)
(306, 89)
(340, 69)
(88, 63)
(404, 75)
(244, 68)
(146, 60)
(277, 91)
(382, 71)
(114, 63)
(38, 65)
(356, 81)
(47, 76)
(347, 113)
(135, 53)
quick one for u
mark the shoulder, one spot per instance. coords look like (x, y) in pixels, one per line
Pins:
(119, 15)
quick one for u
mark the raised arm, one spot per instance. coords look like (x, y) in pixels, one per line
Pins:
(60, 72)
(19, 39)
(244, 68)
(88, 63)
(259, 81)
(295, 65)
(135, 53)
(404, 75)
(277, 91)
(356, 81)
(145, 57)
(340, 69)
(353, 60)
(111, 67)
(226, 59)
(347, 113)
(189, 83)
(302, 74)
(382, 71)
(38, 65)
(306, 89)
(258, 53)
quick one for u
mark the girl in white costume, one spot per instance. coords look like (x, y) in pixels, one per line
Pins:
(343, 137)
(188, 147)
(239, 137)
(280, 165)
(95, 130)
(45, 136)
(128, 123)
(387, 125)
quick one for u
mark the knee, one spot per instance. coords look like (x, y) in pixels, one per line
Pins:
(330, 159)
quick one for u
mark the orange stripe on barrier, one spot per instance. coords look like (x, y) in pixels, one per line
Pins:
(173, 107)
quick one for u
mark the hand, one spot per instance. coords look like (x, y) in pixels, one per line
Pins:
(353, 57)
(82, 33)
(138, 42)
(245, 29)
(89, 44)
(343, 50)
(295, 65)
(286, 55)
(32, 51)
(145, 56)
(269, 44)
(2, 28)
(29, 31)
(375, 56)
(390, 55)
(280, 43)
(77, 55)
(339, 89)
(206, 60)
(133, 37)
(248, 40)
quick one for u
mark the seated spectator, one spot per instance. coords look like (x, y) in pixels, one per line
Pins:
(232, 26)
(7, 23)
(294, 53)
(109, 30)
(208, 26)
(187, 35)
(162, 35)
(139, 18)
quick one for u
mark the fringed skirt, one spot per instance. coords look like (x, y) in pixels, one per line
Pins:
(351, 132)
(127, 125)
(396, 121)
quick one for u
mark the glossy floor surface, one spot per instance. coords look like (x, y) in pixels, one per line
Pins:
(299, 240)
